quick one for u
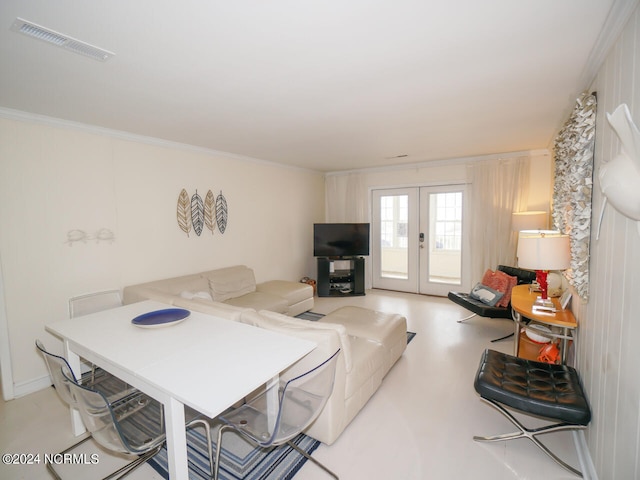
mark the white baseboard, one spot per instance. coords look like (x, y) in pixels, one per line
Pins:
(584, 456)
(31, 386)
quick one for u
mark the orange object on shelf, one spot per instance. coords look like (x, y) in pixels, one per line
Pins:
(549, 353)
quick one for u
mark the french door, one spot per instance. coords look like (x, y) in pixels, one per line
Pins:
(418, 239)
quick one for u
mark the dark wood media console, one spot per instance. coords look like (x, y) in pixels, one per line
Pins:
(340, 276)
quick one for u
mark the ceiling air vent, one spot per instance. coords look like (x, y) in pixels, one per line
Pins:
(60, 40)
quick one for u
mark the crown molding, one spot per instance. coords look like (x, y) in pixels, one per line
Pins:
(619, 15)
(28, 117)
(444, 161)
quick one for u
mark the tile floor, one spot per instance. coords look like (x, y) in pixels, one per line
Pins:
(419, 425)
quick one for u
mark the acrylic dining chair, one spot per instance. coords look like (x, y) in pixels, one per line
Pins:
(94, 302)
(132, 426)
(114, 388)
(91, 303)
(300, 401)
(111, 386)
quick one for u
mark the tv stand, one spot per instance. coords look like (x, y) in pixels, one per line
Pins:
(340, 277)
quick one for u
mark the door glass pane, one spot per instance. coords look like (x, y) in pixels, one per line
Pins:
(445, 237)
(394, 242)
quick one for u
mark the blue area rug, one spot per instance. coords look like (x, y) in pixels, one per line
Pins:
(314, 317)
(239, 458)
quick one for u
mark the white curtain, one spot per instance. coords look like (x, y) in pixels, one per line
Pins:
(347, 201)
(498, 188)
(346, 198)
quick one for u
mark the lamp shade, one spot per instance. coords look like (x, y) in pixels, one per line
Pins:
(543, 250)
(534, 220)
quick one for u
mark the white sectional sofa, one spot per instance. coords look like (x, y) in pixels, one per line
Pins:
(232, 286)
(370, 342)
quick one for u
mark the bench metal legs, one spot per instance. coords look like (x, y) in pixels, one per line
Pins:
(467, 318)
(502, 338)
(531, 434)
(462, 320)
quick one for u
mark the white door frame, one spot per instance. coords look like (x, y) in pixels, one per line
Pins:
(426, 286)
(417, 222)
(409, 284)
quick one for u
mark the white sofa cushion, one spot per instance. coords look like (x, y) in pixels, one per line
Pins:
(294, 294)
(188, 294)
(299, 327)
(186, 283)
(139, 294)
(369, 360)
(327, 340)
(217, 309)
(370, 324)
(386, 329)
(367, 354)
(231, 282)
(259, 301)
(345, 340)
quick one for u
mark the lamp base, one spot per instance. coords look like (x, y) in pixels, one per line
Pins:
(541, 279)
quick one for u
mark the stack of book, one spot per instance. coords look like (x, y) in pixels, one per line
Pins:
(543, 306)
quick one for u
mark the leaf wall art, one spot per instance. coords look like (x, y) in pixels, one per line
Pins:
(195, 213)
(184, 212)
(222, 212)
(210, 211)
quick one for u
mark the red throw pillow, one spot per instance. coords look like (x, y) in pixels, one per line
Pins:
(511, 282)
(501, 282)
(487, 278)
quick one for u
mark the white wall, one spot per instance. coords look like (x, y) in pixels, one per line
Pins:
(55, 178)
(609, 324)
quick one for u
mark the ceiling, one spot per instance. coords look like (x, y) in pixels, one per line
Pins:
(326, 85)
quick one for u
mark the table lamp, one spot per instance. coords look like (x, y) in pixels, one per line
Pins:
(543, 250)
(533, 220)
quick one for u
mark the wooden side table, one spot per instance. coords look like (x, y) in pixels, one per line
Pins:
(522, 300)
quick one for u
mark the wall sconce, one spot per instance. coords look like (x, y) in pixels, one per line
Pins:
(102, 235)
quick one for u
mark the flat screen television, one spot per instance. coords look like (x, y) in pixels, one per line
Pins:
(340, 239)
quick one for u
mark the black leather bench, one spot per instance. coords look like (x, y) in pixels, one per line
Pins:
(540, 389)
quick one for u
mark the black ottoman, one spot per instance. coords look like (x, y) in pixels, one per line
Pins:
(541, 389)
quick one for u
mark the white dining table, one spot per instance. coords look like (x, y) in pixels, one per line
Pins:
(205, 362)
